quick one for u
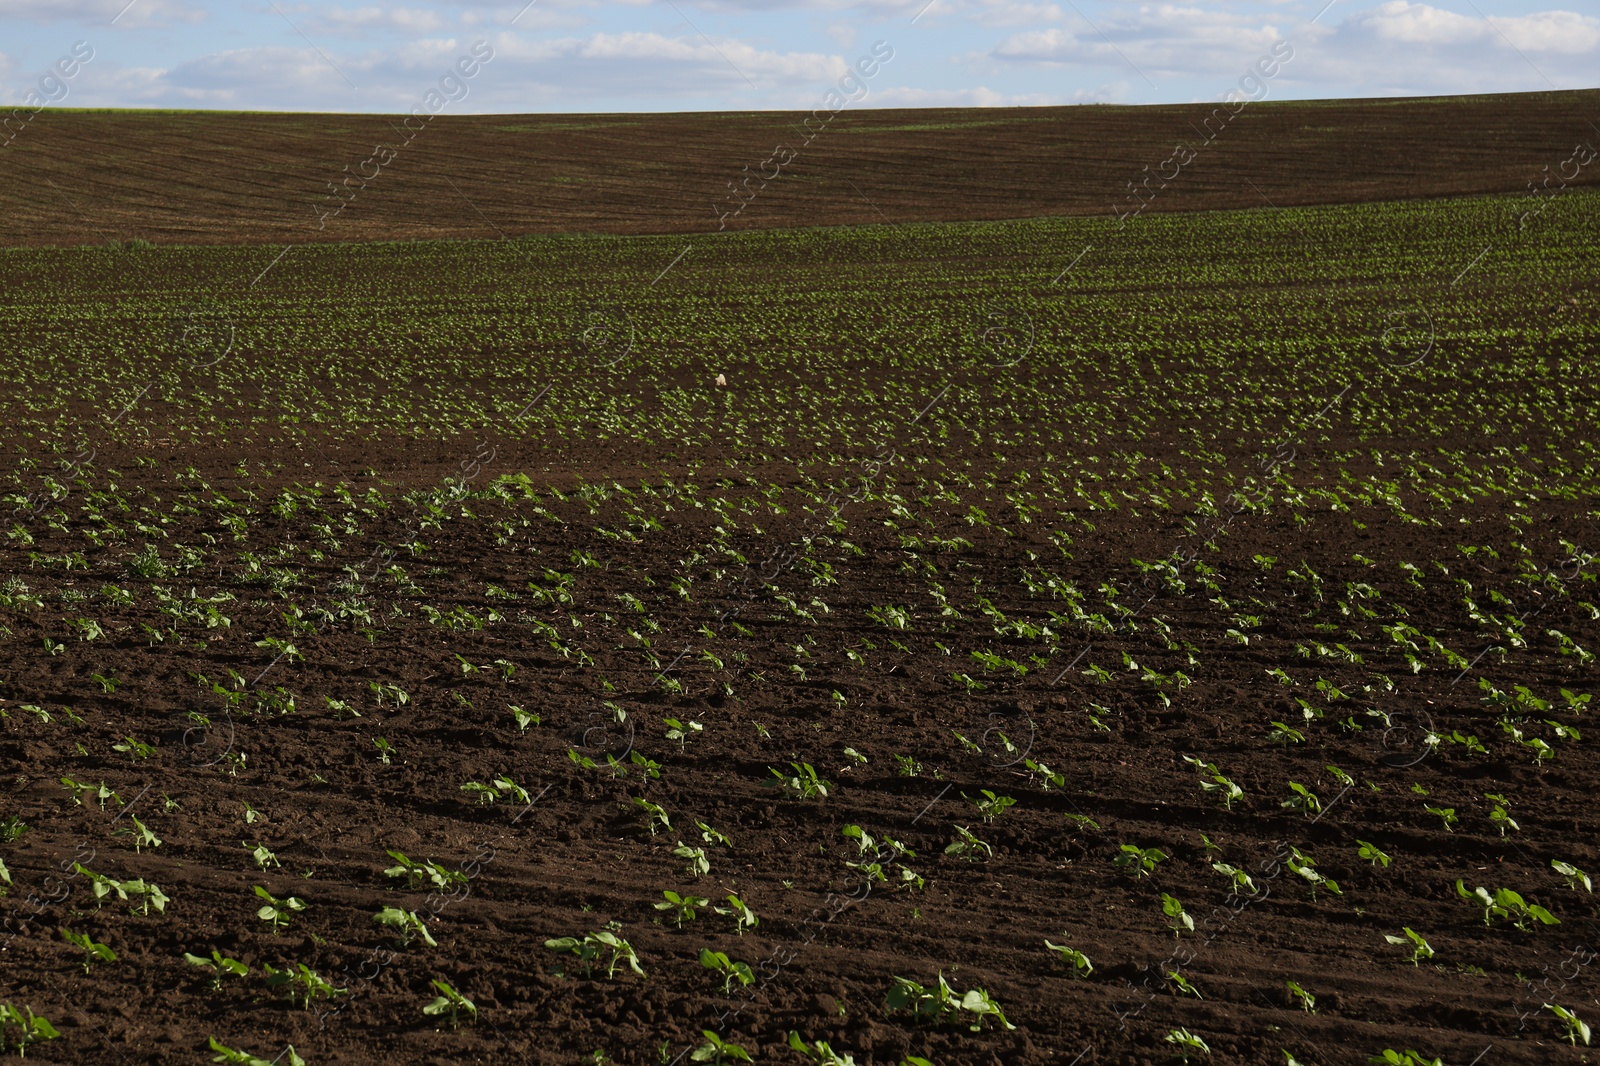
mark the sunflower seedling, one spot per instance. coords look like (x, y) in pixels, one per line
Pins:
(1141, 860)
(1420, 949)
(717, 1050)
(804, 782)
(235, 1057)
(1184, 985)
(407, 926)
(819, 1052)
(220, 966)
(93, 951)
(31, 1028)
(261, 854)
(1506, 904)
(1576, 1029)
(743, 917)
(990, 806)
(1373, 854)
(682, 908)
(302, 984)
(699, 865)
(682, 732)
(450, 1002)
(655, 816)
(1308, 1002)
(966, 846)
(1187, 1043)
(593, 945)
(1241, 880)
(278, 911)
(1574, 876)
(1178, 919)
(1081, 966)
(728, 969)
(1302, 800)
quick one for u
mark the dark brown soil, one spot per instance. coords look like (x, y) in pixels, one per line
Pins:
(579, 856)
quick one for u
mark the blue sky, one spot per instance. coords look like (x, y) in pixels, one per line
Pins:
(700, 55)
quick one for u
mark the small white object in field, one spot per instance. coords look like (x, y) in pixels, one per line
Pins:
(721, 380)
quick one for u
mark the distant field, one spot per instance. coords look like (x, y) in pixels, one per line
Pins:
(83, 177)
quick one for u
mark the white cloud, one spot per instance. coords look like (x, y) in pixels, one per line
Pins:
(93, 14)
(624, 63)
(1156, 40)
(1401, 48)
(359, 20)
(982, 96)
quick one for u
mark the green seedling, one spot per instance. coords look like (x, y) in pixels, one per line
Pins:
(712, 836)
(699, 865)
(1241, 880)
(1308, 1002)
(1420, 949)
(262, 855)
(804, 782)
(1142, 861)
(1186, 1042)
(1285, 735)
(1445, 814)
(593, 945)
(819, 1052)
(743, 916)
(235, 1057)
(302, 984)
(682, 908)
(416, 873)
(99, 792)
(1048, 778)
(219, 965)
(1304, 866)
(1081, 966)
(1506, 904)
(906, 766)
(385, 749)
(31, 1028)
(407, 926)
(655, 817)
(523, 719)
(93, 951)
(1574, 876)
(682, 732)
(1373, 854)
(730, 971)
(12, 829)
(715, 1050)
(1302, 800)
(967, 846)
(277, 911)
(1575, 1028)
(142, 836)
(941, 1004)
(450, 1002)
(1178, 920)
(1391, 1057)
(1184, 986)
(1500, 816)
(990, 806)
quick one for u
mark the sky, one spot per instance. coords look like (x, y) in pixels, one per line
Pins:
(745, 55)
